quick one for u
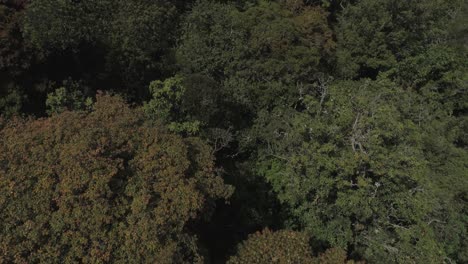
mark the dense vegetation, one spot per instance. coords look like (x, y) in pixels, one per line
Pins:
(247, 131)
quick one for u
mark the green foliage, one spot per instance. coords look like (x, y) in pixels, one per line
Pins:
(439, 73)
(260, 54)
(167, 105)
(11, 101)
(16, 58)
(132, 26)
(65, 99)
(52, 24)
(15, 55)
(102, 186)
(129, 40)
(374, 35)
(139, 39)
(185, 103)
(353, 170)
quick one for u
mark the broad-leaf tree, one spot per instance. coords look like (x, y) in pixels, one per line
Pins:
(102, 186)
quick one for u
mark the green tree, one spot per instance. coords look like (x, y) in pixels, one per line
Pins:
(139, 41)
(354, 171)
(102, 186)
(261, 53)
(11, 100)
(15, 55)
(187, 103)
(374, 36)
(16, 58)
(67, 98)
(60, 25)
(126, 42)
(166, 105)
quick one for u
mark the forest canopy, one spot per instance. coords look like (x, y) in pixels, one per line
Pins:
(233, 131)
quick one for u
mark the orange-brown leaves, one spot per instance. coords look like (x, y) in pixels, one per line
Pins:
(99, 187)
(312, 22)
(284, 246)
(274, 247)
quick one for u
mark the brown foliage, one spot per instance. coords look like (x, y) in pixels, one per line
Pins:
(103, 186)
(274, 247)
(284, 246)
